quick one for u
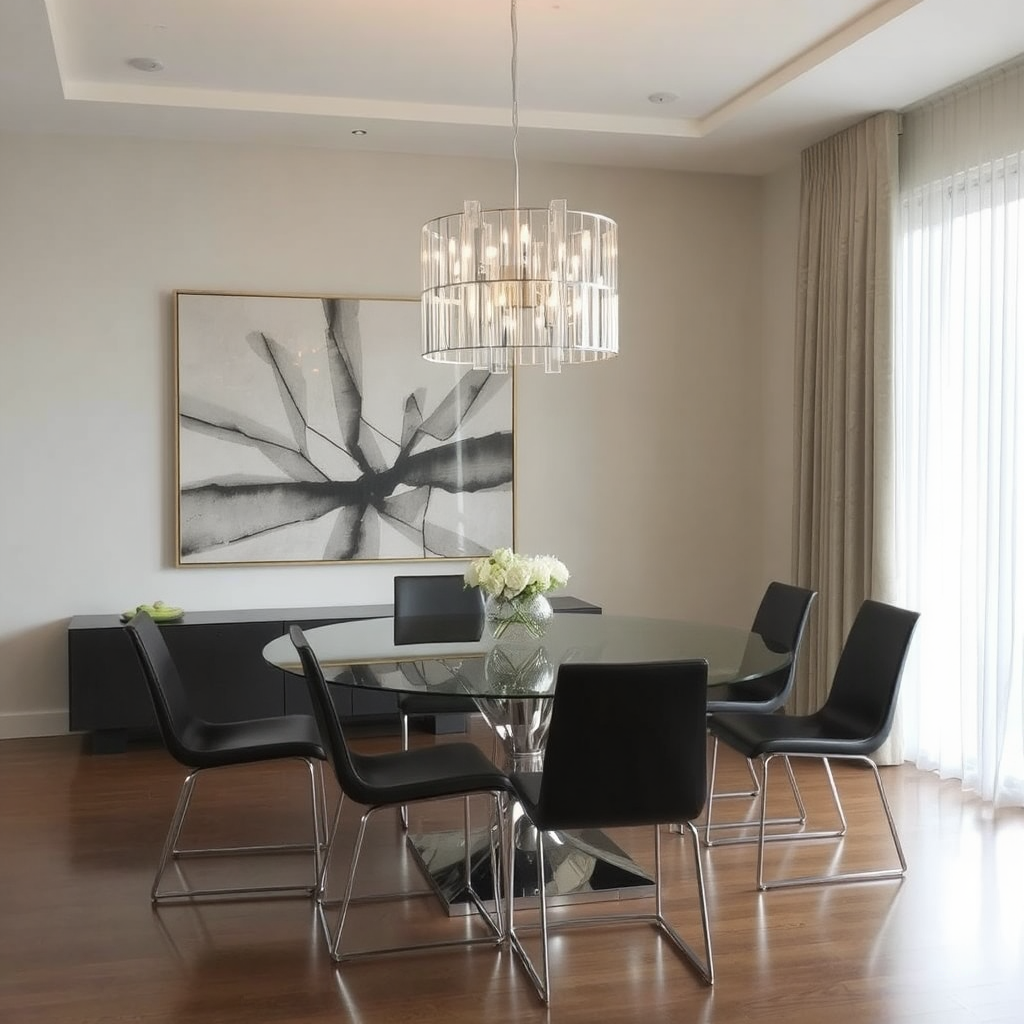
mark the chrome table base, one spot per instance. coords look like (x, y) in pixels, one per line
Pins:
(580, 867)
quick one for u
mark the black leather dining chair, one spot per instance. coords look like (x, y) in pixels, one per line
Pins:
(780, 620)
(611, 762)
(434, 609)
(437, 609)
(853, 722)
(201, 745)
(377, 781)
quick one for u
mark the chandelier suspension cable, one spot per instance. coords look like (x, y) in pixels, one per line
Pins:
(515, 99)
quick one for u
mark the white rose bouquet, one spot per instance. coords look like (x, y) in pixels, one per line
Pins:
(515, 586)
(504, 574)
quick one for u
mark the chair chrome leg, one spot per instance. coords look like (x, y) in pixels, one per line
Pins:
(495, 921)
(510, 862)
(325, 866)
(749, 794)
(316, 794)
(762, 835)
(334, 941)
(497, 855)
(705, 968)
(403, 811)
(835, 795)
(800, 818)
(847, 876)
(546, 994)
(512, 811)
(760, 831)
(888, 817)
(542, 981)
(172, 852)
(467, 853)
(711, 793)
(171, 841)
(322, 837)
(334, 933)
(709, 974)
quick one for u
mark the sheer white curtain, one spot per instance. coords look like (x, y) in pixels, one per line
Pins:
(959, 406)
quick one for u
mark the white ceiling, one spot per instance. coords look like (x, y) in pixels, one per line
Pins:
(756, 80)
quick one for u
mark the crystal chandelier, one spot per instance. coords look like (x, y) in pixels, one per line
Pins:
(519, 286)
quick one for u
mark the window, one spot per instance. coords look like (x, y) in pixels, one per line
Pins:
(959, 404)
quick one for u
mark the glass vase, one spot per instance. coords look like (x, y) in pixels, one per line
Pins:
(523, 616)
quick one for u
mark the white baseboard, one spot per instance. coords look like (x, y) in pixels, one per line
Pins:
(22, 724)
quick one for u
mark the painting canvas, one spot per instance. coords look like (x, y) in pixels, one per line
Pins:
(309, 429)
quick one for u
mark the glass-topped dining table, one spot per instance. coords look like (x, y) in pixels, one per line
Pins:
(512, 681)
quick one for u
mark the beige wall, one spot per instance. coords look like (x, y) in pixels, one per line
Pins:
(658, 477)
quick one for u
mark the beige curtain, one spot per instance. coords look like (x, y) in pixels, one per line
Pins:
(843, 522)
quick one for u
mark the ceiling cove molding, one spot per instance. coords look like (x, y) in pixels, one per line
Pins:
(388, 110)
(841, 39)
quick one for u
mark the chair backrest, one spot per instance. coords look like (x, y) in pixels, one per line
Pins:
(170, 701)
(865, 686)
(780, 620)
(626, 745)
(342, 760)
(437, 609)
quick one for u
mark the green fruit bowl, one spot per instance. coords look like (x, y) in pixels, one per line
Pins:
(158, 612)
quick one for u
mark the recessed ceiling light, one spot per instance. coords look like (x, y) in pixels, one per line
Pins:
(663, 97)
(358, 131)
(145, 64)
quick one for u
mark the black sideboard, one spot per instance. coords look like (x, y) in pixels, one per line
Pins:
(220, 657)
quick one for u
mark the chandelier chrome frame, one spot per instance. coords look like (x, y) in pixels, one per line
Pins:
(524, 286)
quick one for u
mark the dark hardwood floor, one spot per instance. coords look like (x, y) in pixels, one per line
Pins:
(80, 942)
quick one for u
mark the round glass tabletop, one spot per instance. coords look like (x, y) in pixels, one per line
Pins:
(364, 653)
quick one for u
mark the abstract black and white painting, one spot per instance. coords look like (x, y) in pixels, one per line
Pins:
(311, 430)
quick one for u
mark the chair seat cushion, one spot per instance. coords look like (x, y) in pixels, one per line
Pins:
(754, 734)
(436, 704)
(762, 696)
(448, 769)
(216, 744)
